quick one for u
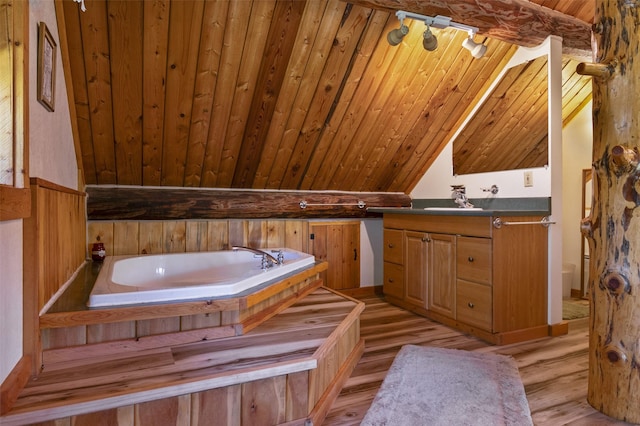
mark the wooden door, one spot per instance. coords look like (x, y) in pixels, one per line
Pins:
(442, 289)
(416, 267)
(339, 244)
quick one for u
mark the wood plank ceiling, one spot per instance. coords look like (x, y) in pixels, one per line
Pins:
(272, 94)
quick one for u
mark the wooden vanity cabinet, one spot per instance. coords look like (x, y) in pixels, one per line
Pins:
(462, 271)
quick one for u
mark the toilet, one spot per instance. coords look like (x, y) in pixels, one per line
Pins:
(568, 269)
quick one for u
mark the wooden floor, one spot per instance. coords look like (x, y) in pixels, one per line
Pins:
(553, 370)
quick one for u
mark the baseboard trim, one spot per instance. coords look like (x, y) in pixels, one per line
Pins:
(13, 384)
(559, 329)
(362, 291)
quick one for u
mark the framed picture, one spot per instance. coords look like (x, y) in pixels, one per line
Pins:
(46, 67)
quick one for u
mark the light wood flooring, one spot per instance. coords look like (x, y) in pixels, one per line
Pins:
(553, 370)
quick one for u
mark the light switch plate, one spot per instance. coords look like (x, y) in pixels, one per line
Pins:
(528, 179)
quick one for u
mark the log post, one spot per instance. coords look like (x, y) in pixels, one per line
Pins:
(613, 228)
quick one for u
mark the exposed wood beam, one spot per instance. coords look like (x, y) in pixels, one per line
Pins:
(518, 22)
(138, 203)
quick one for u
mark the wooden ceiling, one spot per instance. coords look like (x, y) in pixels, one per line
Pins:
(279, 94)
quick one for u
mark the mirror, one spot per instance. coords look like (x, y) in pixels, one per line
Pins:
(509, 130)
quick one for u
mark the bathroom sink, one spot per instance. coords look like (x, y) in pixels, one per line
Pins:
(453, 209)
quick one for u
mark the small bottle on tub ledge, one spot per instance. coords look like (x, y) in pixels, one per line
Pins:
(98, 252)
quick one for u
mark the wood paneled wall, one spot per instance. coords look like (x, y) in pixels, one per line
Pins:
(54, 249)
(155, 237)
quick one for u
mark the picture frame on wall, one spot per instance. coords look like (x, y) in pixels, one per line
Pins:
(46, 67)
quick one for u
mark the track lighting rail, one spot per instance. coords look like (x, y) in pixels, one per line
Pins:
(430, 42)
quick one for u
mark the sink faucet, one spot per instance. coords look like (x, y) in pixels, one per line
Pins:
(459, 196)
(268, 260)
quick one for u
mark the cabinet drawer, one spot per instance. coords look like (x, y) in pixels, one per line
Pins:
(473, 259)
(393, 280)
(393, 246)
(473, 304)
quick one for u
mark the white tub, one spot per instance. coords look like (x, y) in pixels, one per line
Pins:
(125, 280)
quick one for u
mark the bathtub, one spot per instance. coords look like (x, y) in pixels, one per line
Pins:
(126, 280)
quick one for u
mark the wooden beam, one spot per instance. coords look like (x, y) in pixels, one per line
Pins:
(515, 21)
(613, 225)
(138, 203)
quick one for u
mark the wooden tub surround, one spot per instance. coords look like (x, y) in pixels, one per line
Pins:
(278, 355)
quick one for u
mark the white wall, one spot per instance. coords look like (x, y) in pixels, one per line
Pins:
(577, 145)
(436, 183)
(51, 157)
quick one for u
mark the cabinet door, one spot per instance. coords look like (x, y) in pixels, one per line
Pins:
(416, 256)
(339, 244)
(442, 283)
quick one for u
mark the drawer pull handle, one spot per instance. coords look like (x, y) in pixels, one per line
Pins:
(470, 304)
(470, 259)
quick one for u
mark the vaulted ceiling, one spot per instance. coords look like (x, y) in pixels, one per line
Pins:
(280, 94)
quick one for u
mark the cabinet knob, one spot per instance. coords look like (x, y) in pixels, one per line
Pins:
(470, 304)
(390, 280)
(470, 259)
(426, 239)
(391, 245)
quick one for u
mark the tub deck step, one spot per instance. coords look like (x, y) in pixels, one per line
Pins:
(290, 342)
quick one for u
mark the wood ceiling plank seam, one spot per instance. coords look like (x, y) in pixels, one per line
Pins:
(310, 26)
(184, 40)
(573, 97)
(250, 67)
(348, 86)
(273, 76)
(235, 31)
(79, 81)
(340, 57)
(374, 76)
(585, 96)
(209, 56)
(125, 47)
(379, 112)
(413, 166)
(154, 65)
(409, 110)
(94, 28)
(478, 135)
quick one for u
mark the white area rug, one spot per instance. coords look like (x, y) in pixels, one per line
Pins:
(435, 386)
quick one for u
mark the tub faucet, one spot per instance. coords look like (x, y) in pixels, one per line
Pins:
(459, 196)
(268, 260)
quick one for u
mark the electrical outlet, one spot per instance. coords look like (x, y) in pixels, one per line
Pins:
(528, 179)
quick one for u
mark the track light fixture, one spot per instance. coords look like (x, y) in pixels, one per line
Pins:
(477, 49)
(429, 40)
(395, 36)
